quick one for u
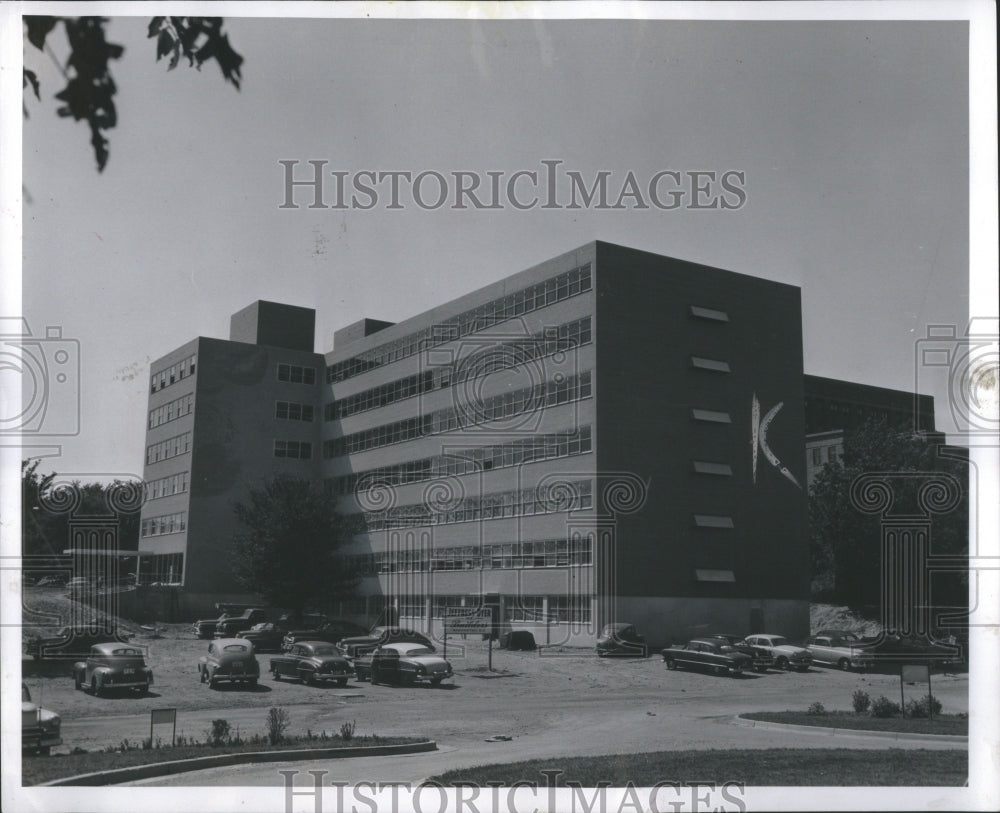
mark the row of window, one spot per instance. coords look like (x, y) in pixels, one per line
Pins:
(497, 407)
(177, 408)
(165, 568)
(293, 448)
(491, 313)
(464, 461)
(171, 447)
(166, 524)
(499, 556)
(290, 411)
(710, 314)
(552, 609)
(832, 453)
(167, 486)
(492, 357)
(173, 373)
(296, 374)
(557, 497)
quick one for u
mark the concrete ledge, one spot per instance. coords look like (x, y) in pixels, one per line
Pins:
(845, 732)
(134, 772)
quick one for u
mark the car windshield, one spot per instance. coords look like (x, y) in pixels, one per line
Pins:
(234, 648)
(418, 650)
(126, 652)
(325, 650)
(849, 638)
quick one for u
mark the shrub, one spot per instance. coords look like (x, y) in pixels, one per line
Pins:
(277, 724)
(816, 709)
(924, 707)
(884, 707)
(347, 730)
(218, 734)
(862, 702)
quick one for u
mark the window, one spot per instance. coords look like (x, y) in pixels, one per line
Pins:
(709, 313)
(710, 416)
(714, 365)
(713, 521)
(167, 486)
(705, 575)
(293, 448)
(174, 373)
(171, 447)
(165, 524)
(296, 374)
(817, 456)
(288, 411)
(707, 467)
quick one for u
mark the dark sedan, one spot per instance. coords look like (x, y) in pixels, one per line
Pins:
(762, 658)
(707, 653)
(265, 637)
(312, 662)
(621, 639)
(381, 636)
(332, 632)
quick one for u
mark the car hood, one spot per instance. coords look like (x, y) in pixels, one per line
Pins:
(32, 709)
(426, 660)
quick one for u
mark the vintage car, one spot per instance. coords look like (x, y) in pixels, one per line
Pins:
(408, 663)
(70, 642)
(113, 666)
(332, 631)
(313, 662)
(786, 656)
(231, 625)
(762, 658)
(894, 649)
(707, 653)
(621, 639)
(382, 636)
(229, 659)
(205, 628)
(843, 650)
(265, 637)
(39, 727)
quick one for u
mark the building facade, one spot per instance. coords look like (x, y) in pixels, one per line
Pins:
(609, 435)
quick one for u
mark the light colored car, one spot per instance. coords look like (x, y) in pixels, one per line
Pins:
(407, 663)
(786, 655)
(229, 659)
(845, 651)
(113, 666)
(39, 727)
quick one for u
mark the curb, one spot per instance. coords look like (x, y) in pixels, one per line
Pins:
(845, 732)
(221, 760)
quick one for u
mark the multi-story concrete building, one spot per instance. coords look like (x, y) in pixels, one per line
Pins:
(610, 435)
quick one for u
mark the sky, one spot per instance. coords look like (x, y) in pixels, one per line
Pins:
(852, 138)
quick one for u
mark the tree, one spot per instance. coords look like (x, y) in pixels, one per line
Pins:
(90, 89)
(288, 548)
(846, 541)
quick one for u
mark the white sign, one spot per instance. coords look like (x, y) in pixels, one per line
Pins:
(478, 622)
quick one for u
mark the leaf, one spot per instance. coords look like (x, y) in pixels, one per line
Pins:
(31, 79)
(38, 29)
(154, 27)
(164, 45)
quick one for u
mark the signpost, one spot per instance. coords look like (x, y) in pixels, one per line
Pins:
(163, 716)
(466, 622)
(915, 673)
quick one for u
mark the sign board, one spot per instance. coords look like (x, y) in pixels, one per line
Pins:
(479, 622)
(916, 673)
(157, 716)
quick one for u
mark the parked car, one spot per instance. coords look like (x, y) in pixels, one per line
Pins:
(205, 628)
(231, 625)
(265, 637)
(762, 658)
(786, 656)
(113, 666)
(70, 642)
(408, 663)
(382, 636)
(899, 649)
(229, 659)
(312, 662)
(707, 653)
(332, 631)
(621, 639)
(844, 650)
(40, 728)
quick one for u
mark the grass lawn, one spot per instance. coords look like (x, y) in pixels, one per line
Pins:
(837, 767)
(941, 724)
(37, 769)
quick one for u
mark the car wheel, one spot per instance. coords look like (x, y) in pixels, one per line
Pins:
(406, 679)
(436, 681)
(719, 670)
(781, 663)
(77, 682)
(211, 683)
(844, 664)
(760, 669)
(253, 682)
(143, 691)
(601, 653)
(309, 678)
(201, 675)
(342, 682)
(670, 663)
(94, 688)
(45, 750)
(275, 675)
